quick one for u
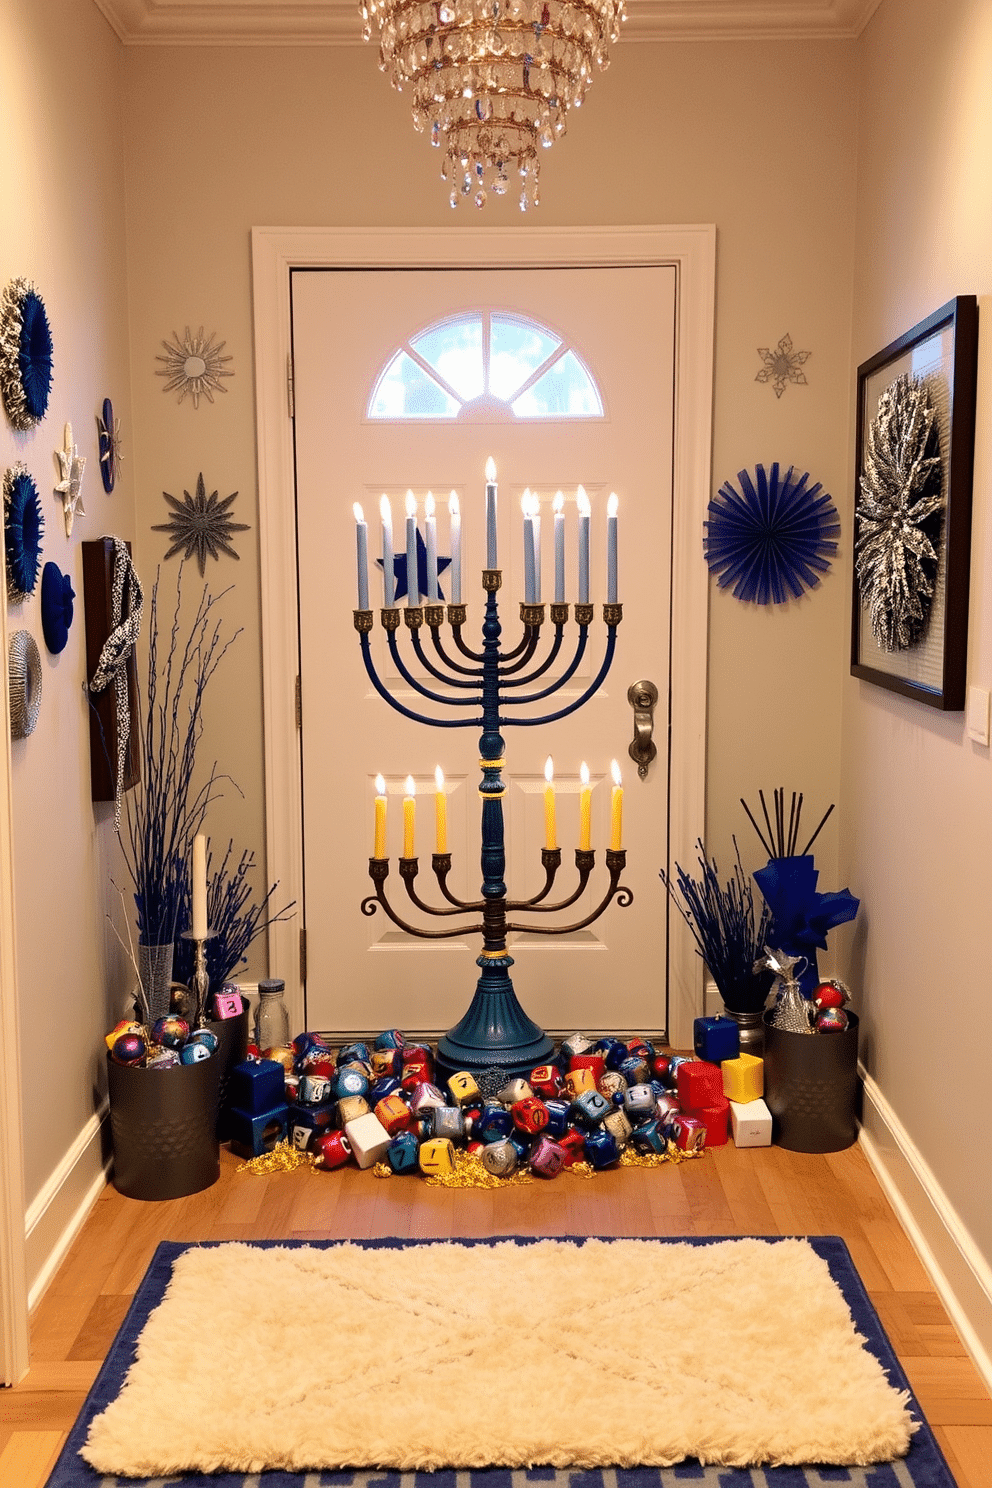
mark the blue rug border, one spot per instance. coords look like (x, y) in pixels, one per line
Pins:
(925, 1460)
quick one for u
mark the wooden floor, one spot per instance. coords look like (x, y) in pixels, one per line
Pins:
(764, 1191)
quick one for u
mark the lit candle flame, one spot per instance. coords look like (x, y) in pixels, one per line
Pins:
(613, 505)
(385, 510)
(411, 504)
(380, 786)
(429, 504)
(439, 777)
(558, 504)
(359, 514)
(490, 470)
(615, 772)
(453, 507)
(583, 503)
(584, 773)
(549, 769)
(411, 786)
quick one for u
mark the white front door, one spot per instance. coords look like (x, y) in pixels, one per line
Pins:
(362, 972)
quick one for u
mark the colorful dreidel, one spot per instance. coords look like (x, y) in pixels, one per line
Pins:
(513, 1091)
(641, 1046)
(671, 1075)
(592, 1061)
(576, 1043)
(354, 1053)
(394, 1114)
(390, 1038)
(423, 1095)
(613, 1086)
(305, 1044)
(206, 1037)
(546, 1081)
(639, 1104)
(380, 1088)
(614, 1051)
(636, 1070)
(688, 1133)
(530, 1115)
(464, 1088)
(557, 1118)
(351, 1108)
(128, 1025)
(493, 1123)
(589, 1109)
(193, 1052)
(314, 1090)
(616, 1122)
(579, 1082)
(716, 1039)
(573, 1146)
(403, 1152)
(387, 1062)
(601, 1148)
(698, 1084)
(368, 1139)
(650, 1137)
(437, 1157)
(349, 1081)
(743, 1078)
(305, 1123)
(332, 1149)
(499, 1158)
(546, 1157)
(444, 1121)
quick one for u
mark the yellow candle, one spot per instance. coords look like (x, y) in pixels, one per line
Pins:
(550, 831)
(585, 809)
(409, 817)
(379, 846)
(440, 813)
(616, 809)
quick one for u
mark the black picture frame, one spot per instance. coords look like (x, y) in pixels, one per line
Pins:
(944, 348)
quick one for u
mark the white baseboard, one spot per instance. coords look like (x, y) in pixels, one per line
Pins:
(961, 1275)
(57, 1214)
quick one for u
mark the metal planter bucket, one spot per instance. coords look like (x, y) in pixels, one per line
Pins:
(812, 1087)
(164, 1125)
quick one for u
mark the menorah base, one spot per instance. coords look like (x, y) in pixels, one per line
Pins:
(495, 1040)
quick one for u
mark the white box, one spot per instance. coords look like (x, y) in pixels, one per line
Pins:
(751, 1123)
(368, 1137)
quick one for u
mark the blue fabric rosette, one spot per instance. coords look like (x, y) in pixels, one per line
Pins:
(801, 916)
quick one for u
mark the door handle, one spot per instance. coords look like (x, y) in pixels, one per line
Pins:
(642, 697)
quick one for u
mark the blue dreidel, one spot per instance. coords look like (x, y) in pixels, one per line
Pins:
(601, 1148)
(403, 1152)
(557, 1118)
(351, 1052)
(650, 1137)
(589, 1109)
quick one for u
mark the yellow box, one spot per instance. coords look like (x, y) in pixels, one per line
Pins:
(743, 1078)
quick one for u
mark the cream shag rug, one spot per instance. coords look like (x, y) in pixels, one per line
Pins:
(618, 1353)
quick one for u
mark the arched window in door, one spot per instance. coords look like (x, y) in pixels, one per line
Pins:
(487, 366)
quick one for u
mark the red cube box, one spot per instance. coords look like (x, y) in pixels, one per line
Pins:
(699, 1084)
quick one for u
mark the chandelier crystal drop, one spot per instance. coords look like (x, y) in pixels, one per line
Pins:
(492, 80)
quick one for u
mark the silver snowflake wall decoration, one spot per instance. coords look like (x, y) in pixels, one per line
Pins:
(70, 487)
(194, 365)
(783, 364)
(899, 510)
(201, 525)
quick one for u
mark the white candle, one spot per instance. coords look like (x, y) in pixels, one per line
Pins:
(611, 548)
(455, 529)
(199, 881)
(535, 511)
(559, 509)
(529, 580)
(585, 511)
(388, 575)
(412, 581)
(362, 532)
(492, 560)
(430, 526)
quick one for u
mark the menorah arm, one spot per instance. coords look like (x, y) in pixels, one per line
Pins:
(551, 862)
(448, 660)
(538, 671)
(585, 860)
(573, 707)
(524, 652)
(411, 681)
(616, 859)
(400, 707)
(456, 631)
(428, 666)
(409, 868)
(441, 864)
(378, 871)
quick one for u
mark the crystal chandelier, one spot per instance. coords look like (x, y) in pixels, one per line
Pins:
(492, 79)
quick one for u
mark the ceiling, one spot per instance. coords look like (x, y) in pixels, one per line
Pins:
(326, 22)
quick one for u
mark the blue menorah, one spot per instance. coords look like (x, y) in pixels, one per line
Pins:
(495, 1039)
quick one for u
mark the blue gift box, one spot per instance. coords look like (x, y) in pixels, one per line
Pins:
(303, 1121)
(252, 1133)
(256, 1085)
(716, 1039)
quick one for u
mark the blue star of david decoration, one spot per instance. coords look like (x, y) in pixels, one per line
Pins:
(399, 570)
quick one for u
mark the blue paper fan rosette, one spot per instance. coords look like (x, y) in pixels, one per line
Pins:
(25, 354)
(772, 538)
(23, 524)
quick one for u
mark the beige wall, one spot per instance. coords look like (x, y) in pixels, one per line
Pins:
(221, 139)
(62, 225)
(917, 798)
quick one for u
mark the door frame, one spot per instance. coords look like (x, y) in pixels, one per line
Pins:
(691, 250)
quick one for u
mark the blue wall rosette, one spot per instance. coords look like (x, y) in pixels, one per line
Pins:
(773, 538)
(23, 525)
(25, 354)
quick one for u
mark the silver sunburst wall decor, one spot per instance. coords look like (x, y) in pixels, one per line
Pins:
(194, 366)
(900, 512)
(201, 525)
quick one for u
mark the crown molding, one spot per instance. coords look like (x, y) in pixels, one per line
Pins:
(337, 22)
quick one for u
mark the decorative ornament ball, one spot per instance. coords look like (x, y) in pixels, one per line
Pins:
(829, 995)
(203, 1036)
(128, 1049)
(831, 1020)
(171, 1032)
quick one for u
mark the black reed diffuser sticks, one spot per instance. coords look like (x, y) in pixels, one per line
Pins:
(782, 841)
